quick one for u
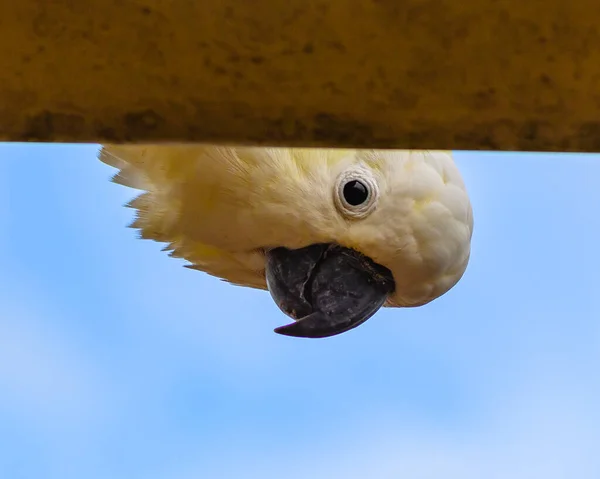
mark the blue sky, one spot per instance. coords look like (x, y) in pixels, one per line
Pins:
(117, 362)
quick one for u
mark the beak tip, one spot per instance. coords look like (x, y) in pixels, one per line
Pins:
(298, 329)
(285, 330)
(293, 330)
(314, 326)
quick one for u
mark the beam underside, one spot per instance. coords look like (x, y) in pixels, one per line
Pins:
(502, 75)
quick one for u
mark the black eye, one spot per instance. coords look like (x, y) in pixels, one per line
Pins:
(355, 193)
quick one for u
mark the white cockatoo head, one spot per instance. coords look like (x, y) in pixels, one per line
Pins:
(332, 234)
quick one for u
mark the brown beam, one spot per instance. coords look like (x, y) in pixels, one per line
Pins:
(448, 74)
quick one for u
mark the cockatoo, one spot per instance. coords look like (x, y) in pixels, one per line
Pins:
(332, 234)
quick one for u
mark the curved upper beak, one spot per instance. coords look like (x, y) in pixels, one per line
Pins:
(326, 288)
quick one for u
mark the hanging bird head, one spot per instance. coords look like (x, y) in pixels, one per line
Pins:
(334, 235)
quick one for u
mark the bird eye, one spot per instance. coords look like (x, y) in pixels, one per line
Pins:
(356, 193)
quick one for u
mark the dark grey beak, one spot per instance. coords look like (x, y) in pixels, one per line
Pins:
(327, 288)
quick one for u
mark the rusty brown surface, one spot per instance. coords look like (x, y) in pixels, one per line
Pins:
(507, 74)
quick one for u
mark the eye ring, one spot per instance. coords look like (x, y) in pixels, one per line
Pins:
(356, 193)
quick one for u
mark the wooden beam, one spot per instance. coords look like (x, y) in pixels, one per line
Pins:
(448, 74)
